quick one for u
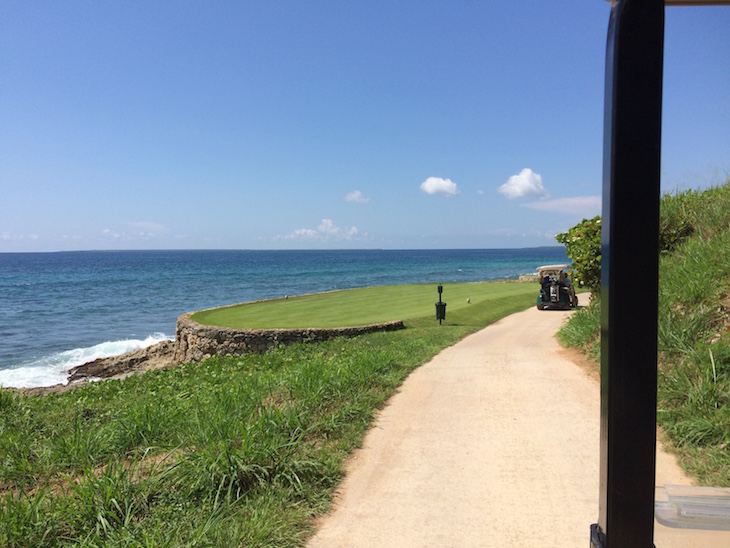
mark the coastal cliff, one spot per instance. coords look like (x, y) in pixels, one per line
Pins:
(195, 342)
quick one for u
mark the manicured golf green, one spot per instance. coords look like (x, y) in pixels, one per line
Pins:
(370, 305)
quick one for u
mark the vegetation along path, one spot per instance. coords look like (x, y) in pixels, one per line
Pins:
(495, 442)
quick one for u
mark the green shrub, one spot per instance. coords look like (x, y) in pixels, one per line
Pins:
(583, 245)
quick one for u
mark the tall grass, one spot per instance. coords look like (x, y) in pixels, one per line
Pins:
(584, 331)
(239, 451)
(693, 331)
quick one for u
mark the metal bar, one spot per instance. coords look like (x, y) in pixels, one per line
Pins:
(629, 278)
(697, 2)
(692, 2)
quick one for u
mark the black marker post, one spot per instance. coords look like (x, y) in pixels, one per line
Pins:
(440, 306)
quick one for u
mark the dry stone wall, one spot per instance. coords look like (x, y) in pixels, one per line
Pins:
(195, 342)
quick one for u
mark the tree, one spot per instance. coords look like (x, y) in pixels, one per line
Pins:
(583, 245)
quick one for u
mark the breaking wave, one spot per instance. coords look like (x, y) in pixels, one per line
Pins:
(53, 369)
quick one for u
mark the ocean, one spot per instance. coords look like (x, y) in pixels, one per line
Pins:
(59, 310)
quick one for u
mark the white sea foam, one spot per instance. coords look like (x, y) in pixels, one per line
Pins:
(53, 369)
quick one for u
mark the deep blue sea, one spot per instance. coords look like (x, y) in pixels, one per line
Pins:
(59, 310)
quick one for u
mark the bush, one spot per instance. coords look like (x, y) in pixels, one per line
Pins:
(583, 245)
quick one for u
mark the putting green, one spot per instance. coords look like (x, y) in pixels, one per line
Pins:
(370, 305)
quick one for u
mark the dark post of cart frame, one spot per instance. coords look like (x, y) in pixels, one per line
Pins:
(630, 259)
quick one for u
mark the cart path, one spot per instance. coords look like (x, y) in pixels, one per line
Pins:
(495, 442)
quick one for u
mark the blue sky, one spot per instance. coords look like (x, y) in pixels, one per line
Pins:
(328, 124)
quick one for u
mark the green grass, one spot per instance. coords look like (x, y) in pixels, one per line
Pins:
(366, 306)
(235, 451)
(585, 331)
(693, 385)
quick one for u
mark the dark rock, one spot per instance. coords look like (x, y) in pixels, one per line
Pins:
(153, 357)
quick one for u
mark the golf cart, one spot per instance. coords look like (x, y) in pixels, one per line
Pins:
(556, 287)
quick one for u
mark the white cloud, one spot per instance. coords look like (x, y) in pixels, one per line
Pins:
(146, 230)
(8, 237)
(109, 233)
(326, 231)
(437, 185)
(356, 196)
(327, 226)
(586, 206)
(526, 183)
(139, 231)
(303, 233)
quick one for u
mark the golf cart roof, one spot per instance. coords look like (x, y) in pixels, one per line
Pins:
(552, 267)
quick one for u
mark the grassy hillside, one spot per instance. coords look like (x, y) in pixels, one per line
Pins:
(240, 451)
(694, 330)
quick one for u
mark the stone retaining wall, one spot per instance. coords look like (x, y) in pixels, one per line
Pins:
(195, 342)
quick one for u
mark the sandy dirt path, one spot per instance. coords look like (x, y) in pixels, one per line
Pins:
(495, 442)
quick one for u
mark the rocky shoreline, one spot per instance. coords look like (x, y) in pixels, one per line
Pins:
(194, 342)
(157, 356)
